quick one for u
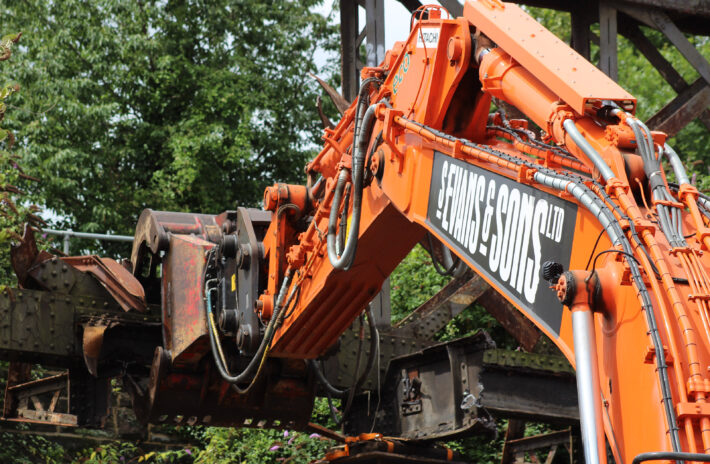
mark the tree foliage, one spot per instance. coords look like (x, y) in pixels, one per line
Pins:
(177, 105)
(15, 210)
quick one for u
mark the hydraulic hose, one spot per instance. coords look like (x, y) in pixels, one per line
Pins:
(260, 355)
(677, 165)
(556, 180)
(323, 381)
(374, 336)
(588, 150)
(646, 144)
(617, 237)
(669, 218)
(345, 260)
(372, 356)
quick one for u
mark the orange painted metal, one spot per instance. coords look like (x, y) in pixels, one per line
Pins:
(434, 94)
(576, 81)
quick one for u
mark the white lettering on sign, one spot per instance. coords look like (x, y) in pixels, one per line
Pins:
(500, 222)
(428, 36)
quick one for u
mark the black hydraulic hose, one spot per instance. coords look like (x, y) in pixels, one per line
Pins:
(444, 271)
(643, 291)
(313, 364)
(531, 141)
(372, 356)
(345, 260)
(670, 455)
(634, 234)
(374, 336)
(364, 114)
(332, 409)
(668, 220)
(617, 237)
(355, 386)
(363, 101)
(265, 341)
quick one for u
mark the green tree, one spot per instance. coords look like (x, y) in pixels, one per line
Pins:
(178, 105)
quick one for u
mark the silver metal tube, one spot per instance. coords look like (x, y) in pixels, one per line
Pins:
(589, 201)
(677, 165)
(644, 145)
(107, 237)
(613, 230)
(333, 247)
(588, 150)
(590, 406)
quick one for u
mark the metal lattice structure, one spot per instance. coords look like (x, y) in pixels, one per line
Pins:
(674, 18)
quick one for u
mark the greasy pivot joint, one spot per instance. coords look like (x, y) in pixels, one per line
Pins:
(578, 289)
(551, 271)
(566, 288)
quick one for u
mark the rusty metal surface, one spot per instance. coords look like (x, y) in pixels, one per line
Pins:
(63, 399)
(529, 386)
(515, 430)
(120, 283)
(184, 322)
(202, 397)
(512, 320)
(326, 432)
(38, 401)
(524, 361)
(339, 369)
(425, 321)
(432, 316)
(17, 373)
(417, 330)
(422, 392)
(60, 278)
(456, 389)
(92, 341)
(24, 255)
(154, 228)
(516, 449)
(36, 325)
(46, 327)
(688, 105)
(341, 104)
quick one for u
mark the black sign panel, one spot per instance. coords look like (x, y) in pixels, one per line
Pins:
(506, 229)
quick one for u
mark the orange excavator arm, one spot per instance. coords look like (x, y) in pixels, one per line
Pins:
(580, 229)
(418, 153)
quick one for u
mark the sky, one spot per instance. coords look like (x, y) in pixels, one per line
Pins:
(396, 20)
